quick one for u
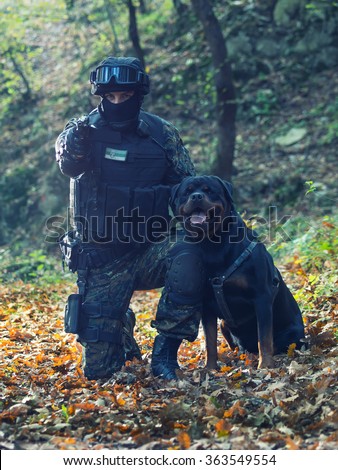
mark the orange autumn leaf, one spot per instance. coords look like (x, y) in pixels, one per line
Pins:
(180, 426)
(71, 409)
(184, 440)
(123, 428)
(57, 336)
(291, 350)
(291, 444)
(120, 400)
(20, 335)
(70, 440)
(228, 413)
(62, 442)
(40, 358)
(220, 425)
(14, 411)
(237, 375)
(222, 428)
(236, 408)
(327, 224)
(85, 406)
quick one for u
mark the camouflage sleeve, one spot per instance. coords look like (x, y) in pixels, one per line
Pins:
(69, 164)
(180, 164)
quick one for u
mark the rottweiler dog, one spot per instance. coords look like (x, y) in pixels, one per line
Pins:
(244, 288)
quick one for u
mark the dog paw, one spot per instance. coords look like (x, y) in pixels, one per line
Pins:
(266, 363)
(212, 366)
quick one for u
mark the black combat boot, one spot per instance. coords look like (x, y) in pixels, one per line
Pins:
(130, 346)
(164, 358)
(104, 356)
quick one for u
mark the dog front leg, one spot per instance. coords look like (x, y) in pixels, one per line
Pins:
(210, 332)
(265, 334)
(227, 335)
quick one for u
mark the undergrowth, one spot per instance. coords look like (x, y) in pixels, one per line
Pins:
(34, 266)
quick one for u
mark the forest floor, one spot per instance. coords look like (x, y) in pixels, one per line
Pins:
(47, 403)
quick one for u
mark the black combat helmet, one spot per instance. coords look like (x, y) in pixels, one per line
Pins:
(119, 74)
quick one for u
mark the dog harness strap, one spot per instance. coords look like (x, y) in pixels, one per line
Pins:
(240, 260)
(217, 284)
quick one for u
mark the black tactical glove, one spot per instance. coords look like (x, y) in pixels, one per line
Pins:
(77, 139)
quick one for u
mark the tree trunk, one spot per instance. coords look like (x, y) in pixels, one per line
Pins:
(116, 45)
(133, 32)
(225, 90)
(28, 93)
(143, 7)
(180, 7)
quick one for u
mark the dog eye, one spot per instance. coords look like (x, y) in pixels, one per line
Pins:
(206, 189)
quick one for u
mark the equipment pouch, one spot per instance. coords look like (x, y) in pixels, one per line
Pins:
(73, 313)
(70, 246)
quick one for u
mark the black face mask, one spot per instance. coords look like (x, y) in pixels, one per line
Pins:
(121, 116)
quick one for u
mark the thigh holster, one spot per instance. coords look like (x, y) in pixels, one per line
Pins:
(92, 326)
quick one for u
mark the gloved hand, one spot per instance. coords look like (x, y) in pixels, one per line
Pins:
(77, 139)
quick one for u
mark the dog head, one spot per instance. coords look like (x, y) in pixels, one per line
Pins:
(202, 203)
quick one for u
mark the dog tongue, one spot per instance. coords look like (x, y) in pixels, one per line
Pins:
(198, 218)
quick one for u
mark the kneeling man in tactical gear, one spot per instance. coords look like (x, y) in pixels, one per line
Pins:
(122, 163)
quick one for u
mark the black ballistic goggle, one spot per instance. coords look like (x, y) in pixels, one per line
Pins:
(119, 75)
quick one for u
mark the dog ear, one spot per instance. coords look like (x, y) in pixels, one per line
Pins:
(227, 188)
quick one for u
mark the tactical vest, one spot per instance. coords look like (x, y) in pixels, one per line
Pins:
(122, 198)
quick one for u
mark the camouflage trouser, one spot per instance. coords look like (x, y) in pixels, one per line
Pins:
(114, 284)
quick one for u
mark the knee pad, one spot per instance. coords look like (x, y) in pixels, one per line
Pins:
(186, 276)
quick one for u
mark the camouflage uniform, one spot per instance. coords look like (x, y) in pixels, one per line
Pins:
(145, 267)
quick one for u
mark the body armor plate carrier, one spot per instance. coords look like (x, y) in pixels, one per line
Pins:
(122, 199)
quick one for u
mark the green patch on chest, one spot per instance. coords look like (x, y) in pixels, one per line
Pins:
(114, 154)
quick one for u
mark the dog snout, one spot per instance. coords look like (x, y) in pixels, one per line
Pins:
(196, 196)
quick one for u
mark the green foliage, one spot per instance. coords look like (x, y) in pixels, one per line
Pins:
(319, 245)
(20, 48)
(331, 134)
(313, 254)
(159, 14)
(331, 124)
(30, 265)
(328, 115)
(311, 187)
(318, 7)
(265, 102)
(65, 413)
(16, 185)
